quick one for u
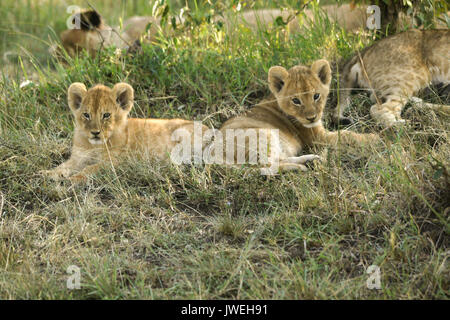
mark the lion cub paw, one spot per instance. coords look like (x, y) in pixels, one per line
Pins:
(303, 159)
(298, 163)
(56, 174)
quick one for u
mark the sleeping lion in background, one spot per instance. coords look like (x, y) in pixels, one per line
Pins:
(94, 34)
(352, 18)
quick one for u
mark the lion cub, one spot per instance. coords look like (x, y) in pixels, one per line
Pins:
(103, 130)
(394, 69)
(294, 111)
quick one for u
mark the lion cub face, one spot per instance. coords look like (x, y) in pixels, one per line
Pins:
(100, 111)
(302, 92)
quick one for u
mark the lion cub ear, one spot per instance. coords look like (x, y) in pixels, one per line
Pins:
(277, 79)
(75, 95)
(322, 69)
(124, 95)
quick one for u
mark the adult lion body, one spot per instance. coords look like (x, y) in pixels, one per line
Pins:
(103, 131)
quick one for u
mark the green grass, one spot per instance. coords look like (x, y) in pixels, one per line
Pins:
(157, 231)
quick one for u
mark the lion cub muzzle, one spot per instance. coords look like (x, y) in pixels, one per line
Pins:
(95, 138)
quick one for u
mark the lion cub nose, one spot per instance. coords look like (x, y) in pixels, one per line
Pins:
(311, 119)
(95, 133)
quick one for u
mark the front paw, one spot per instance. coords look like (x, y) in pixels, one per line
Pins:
(56, 174)
(304, 159)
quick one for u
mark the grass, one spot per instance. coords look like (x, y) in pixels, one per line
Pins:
(157, 231)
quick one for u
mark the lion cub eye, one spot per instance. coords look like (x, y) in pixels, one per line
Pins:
(316, 96)
(296, 101)
(87, 116)
(106, 116)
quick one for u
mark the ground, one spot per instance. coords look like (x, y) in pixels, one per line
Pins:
(159, 231)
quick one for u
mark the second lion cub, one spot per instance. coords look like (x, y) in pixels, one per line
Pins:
(103, 131)
(295, 110)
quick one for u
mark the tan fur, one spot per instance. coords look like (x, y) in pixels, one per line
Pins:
(298, 125)
(396, 68)
(116, 135)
